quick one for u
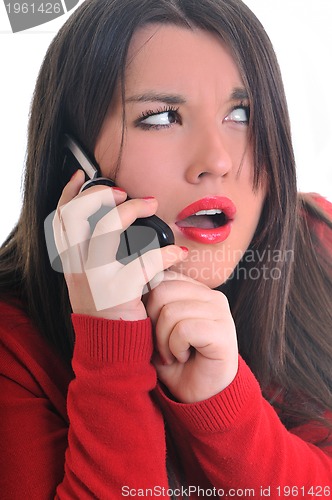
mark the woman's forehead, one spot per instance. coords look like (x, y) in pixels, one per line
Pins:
(174, 58)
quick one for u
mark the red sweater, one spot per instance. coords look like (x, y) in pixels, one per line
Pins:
(101, 434)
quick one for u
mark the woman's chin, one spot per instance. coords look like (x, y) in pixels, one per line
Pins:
(209, 275)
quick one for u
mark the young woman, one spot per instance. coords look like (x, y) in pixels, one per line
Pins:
(217, 381)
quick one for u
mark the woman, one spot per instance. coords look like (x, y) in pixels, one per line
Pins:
(181, 104)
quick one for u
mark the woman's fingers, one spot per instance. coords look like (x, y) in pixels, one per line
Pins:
(72, 223)
(105, 239)
(205, 359)
(71, 226)
(174, 322)
(72, 189)
(74, 215)
(198, 333)
(128, 281)
(177, 287)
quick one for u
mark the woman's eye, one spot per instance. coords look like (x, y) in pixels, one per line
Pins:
(159, 119)
(239, 114)
(165, 118)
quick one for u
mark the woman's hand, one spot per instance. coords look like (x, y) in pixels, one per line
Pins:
(98, 284)
(197, 354)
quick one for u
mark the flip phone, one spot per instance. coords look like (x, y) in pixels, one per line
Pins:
(143, 235)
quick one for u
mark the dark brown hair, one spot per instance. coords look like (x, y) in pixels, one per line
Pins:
(284, 324)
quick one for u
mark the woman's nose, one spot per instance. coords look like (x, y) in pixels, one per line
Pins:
(208, 153)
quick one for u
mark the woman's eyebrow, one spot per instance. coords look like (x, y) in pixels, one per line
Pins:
(239, 94)
(155, 97)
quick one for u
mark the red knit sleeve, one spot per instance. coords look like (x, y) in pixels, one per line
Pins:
(33, 417)
(116, 434)
(240, 444)
(104, 435)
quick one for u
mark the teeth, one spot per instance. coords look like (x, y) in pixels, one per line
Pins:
(213, 211)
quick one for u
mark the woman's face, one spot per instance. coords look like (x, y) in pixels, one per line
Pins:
(186, 142)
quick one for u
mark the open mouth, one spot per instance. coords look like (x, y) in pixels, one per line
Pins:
(205, 219)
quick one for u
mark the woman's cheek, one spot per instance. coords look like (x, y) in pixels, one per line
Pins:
(145, 166)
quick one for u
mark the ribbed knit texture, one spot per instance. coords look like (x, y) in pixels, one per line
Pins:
(221, 411)
(118, 341)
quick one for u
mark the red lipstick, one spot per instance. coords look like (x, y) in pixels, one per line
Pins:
(207, 220)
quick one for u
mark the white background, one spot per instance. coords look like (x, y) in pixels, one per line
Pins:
(302, 37)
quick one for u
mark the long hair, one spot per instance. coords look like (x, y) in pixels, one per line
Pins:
(284, 324)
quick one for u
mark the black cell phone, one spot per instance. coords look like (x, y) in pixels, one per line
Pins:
(143, 235)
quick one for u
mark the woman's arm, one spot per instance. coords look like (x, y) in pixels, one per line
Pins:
(113, 436)
(116, 433)
(240, 443)
(222, 419)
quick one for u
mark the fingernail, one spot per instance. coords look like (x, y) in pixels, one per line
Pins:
(149, 198)
(185, 249)
(115, 188)
(74, 174)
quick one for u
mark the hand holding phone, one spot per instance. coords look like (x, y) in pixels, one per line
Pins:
(144, 234)
(98, 284)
